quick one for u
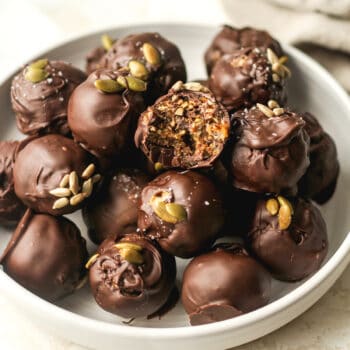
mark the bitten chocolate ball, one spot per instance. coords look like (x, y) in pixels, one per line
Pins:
(185, 129)
(224, 283)
(289, 237)
(11, 207)
(46, 255)
(249, 76)
(113, 212)
(321, 176)
(270, 153)
(39, 96)
(230, 39)
(132, 277)
(54, 175)
(103, 115)
(150, 57)
(183, 211)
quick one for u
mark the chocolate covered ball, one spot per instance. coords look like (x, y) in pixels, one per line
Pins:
(321, 176)
(46, 255)
(224, 283)
(148, 56)
(249, 76)
(270, 153)
(288, 237)
(113, 212)
(54, 175)
(11, 207)
(186, 128)
(183, 211)
(103, 115)
(132, 277)
(230, 39)
(39, 96)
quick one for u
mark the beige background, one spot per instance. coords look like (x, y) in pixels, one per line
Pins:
(27, 27)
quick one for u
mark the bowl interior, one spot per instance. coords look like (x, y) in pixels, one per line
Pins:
(309, 90)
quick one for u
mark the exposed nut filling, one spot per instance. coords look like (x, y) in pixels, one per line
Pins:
(187, 129)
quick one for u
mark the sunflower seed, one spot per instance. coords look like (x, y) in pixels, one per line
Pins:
(88, 172)
(77, 199)
(65, 181)
(96, 178)
(61, 192)
(278, 111)
(266, 110)
(271, 56)
(60, 203)
(273, 104)
(87, 187)
(74, 182)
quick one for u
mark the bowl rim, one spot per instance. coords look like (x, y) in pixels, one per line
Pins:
(340, 256)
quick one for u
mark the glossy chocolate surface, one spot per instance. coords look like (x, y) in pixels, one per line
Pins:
(224, 283)
(203, 206)
(296, 252)
(46, 255)
(132, 290)
(41, 108)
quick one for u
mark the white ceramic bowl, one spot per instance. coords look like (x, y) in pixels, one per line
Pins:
(78, 317)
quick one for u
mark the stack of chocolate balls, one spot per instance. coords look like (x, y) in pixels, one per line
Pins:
(162, 168)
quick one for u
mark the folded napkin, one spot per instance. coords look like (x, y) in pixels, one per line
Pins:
(319, 27)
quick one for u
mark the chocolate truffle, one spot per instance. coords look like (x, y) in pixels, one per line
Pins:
(183, 211)
(46, 255)
(289, 237)
(132, 277)
(11, 207)
(148, 56)
(321, 176)
(93, 58)
(54, 175)
(103, 115)
(270, 153)
(39, 96)
(224, 283)
(249, 76)
(114, 210)
(230, 39)
(184, 129)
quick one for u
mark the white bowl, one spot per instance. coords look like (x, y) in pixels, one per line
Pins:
(78, 317)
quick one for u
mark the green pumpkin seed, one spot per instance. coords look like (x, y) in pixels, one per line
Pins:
(108, 85)
(138, 70)
(177, 211)
(107, 41)
(41, 64)
(35, 75)
(151, 54)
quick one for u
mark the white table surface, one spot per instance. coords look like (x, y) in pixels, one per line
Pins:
(27, 27)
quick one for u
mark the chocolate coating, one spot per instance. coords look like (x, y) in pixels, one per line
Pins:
(114, 210)
(46, 255)
(130, 290)
(163, 75)
(245, 77)
(93, 59)
(185, 129)
(202, 202)
(103, 123)
(269, 155)
(11, 207)
(224, 283)
(230, 39)
(41, 108)
(293, 253)
(41, 166)
(321, 176)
